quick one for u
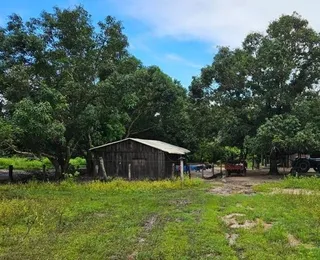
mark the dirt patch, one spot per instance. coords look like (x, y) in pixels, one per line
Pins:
(180, 202)
(232, 238)
(267, 226)
(150, 223)
(293, 241)
(232, 222)
(294, 191)
(100, 215)
(240, 185)
(229, 189)
(147, 227)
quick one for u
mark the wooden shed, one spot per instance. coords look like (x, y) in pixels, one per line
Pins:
(147, 159)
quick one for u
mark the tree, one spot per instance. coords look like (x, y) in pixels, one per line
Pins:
(277, 135)
(223, 87)
(306, 109)
(252, 85)
(286, 63)
(158, 107)
(52, 71)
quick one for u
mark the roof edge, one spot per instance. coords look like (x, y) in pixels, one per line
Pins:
(104, 145)
(141, 142)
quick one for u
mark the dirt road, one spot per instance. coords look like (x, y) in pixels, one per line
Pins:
(240, 184)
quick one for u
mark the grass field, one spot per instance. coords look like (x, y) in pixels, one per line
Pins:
(20, 163)
(156, 220)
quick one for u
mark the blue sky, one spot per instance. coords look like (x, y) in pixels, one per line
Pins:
(179, 36)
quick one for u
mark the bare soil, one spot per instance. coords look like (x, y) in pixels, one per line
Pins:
(241, 184)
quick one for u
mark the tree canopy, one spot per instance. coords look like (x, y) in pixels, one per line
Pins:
(265, 90)
(67, 85)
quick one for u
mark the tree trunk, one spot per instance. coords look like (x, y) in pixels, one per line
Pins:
(89, 163)
(65, 162)
(57, 168)
(273, 162)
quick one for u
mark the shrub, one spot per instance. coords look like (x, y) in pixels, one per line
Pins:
(21, 163)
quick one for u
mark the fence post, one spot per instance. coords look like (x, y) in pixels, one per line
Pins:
(181, 168)
(103, 169)
(11, 173)
(212, 168)
(253, 162)
(202, 174)
(44, 172)
(129, 172)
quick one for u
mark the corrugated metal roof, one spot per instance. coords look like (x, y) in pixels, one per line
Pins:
(168, 148)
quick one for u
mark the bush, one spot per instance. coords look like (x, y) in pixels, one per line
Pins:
(78, 162)
(20, 163)
(24, 163)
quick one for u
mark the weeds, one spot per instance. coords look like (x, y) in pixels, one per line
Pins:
(153, 220)
(309, 183)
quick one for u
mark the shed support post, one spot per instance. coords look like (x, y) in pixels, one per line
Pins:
(11, 173)
(103, 169)
(95, 169)
(129, 172)
(181, 168)
(172, 171)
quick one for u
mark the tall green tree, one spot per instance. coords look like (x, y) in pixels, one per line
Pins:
(52, 71)
(253, 85)
(286, 63)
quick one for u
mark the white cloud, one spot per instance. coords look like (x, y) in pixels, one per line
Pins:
(176, 58)
(219, 22)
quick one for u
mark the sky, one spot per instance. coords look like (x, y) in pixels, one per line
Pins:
(179, 36)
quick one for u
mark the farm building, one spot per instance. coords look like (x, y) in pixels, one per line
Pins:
(148, 159)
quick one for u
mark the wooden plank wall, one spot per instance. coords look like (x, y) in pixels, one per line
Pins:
(146, 162)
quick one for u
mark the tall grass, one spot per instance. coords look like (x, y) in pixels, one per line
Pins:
(309, 183)
(115, 185)
(152, 220)
(20, 163)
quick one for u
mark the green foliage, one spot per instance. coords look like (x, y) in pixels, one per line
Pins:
(6, 133)
(78, 162)
(23, 163)
(20, 163)
(214, 151)
(263, 94)
(69, 85)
